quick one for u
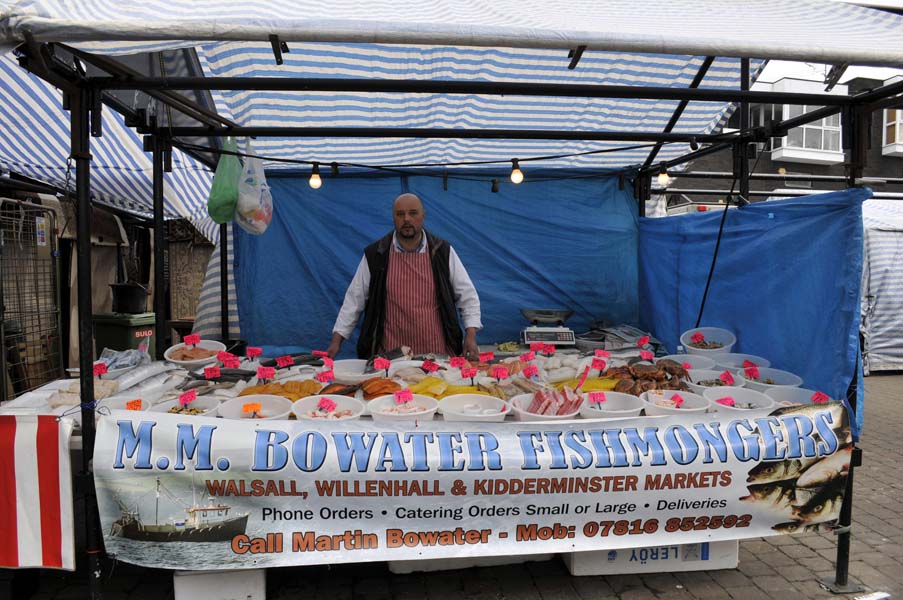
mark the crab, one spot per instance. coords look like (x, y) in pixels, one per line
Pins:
(641, 371)
(673, 368)
(619, 373)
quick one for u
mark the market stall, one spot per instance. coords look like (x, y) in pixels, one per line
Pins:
(854, 34)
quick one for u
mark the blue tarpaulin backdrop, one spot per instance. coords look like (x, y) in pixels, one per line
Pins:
(566, 243)
(786, 282)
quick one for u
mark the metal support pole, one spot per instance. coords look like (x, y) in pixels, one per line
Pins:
(81, 147)
(158, 146)
(224, 281)
(743, 171)
(855, 143)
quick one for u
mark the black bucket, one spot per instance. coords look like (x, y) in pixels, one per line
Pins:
(129, 298)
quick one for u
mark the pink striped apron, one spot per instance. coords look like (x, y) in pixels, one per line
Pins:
(412, 313)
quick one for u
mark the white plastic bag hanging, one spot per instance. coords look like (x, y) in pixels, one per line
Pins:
(255, 204)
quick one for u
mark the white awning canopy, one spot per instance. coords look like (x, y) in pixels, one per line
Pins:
(805, 30)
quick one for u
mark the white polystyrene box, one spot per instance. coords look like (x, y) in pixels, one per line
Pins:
(243, 584)
(655, 559)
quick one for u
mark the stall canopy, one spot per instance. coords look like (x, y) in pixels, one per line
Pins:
(663, 44)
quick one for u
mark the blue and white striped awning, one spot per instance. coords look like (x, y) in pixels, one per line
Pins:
(658, 43)
(34, 141)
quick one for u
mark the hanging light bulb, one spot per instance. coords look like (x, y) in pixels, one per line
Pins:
(517, 176)
(664, 179)
(315, 181)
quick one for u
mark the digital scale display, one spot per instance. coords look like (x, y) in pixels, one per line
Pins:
(558, 336)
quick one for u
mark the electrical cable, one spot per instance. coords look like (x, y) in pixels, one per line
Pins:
(727, 205)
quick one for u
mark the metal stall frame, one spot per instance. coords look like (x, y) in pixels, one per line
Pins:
(85, 98)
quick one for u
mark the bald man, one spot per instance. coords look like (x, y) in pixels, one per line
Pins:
(410, 285)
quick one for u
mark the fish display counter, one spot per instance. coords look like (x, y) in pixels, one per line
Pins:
(696, 457)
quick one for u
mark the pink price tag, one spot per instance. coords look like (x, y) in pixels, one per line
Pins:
(253, 351)
(727, 378)
(381, 364)
(601, 353)
(678, 400)
(222, 355)
(500, 372)
(192, 339)
(470, 372)
(687, 366)
(284, 361)
(726, 401)
(548, 349)
(596, 397)
(188, 397)
(486, 357)
(429, 366)
(530, 371)
(100, 368)
(404, 396)
(212, 373)
(527, 356)
(697, 338)
(646, 355)
(232, 363)
(456, 362)
(328, 362)
(325, 376)
(820, 398)
(320, 353)
(326, 405)
(536, 346)
(583, 378)
(266, 372)
(749, 363)
(751, 372)
(599, 364)
(642, 341)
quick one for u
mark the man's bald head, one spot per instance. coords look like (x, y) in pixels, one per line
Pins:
(408, 214)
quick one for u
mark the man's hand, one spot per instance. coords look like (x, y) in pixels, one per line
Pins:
(471, 350)
(335, 345)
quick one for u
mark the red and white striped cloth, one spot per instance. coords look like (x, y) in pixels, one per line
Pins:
(36, 520)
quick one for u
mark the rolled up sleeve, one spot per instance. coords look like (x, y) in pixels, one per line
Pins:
(355, 300)
(466, 298)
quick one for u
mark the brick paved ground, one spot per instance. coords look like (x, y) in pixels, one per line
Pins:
(775, 567)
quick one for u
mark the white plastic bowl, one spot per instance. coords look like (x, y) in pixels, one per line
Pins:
(452, 408)
(271, 407)
(696, 361)
(712, 334)
(190, 364)
(706, 374)
(616, 405)
(734, 360)
(520, 403)
(208, 404)
(693, 403)
(378, 407)
(740, 395)
(351, 371)
(302, 407)
(780, 378)
(789, 396)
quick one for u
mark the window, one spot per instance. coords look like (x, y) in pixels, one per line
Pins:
(823, 134)
(893, 126)
(818, 142)
(892, 132)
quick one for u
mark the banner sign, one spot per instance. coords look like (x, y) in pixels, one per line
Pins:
(184, 492)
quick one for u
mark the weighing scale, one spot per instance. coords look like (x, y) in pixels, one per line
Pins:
(547, 326)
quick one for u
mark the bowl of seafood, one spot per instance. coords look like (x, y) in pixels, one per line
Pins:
(736, 400)
(202, 406)
(196, 355)
(673, 402)
(328, 407)
(708, 341)
(256, 406)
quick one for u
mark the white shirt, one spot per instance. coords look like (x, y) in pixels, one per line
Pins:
(466, 299)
